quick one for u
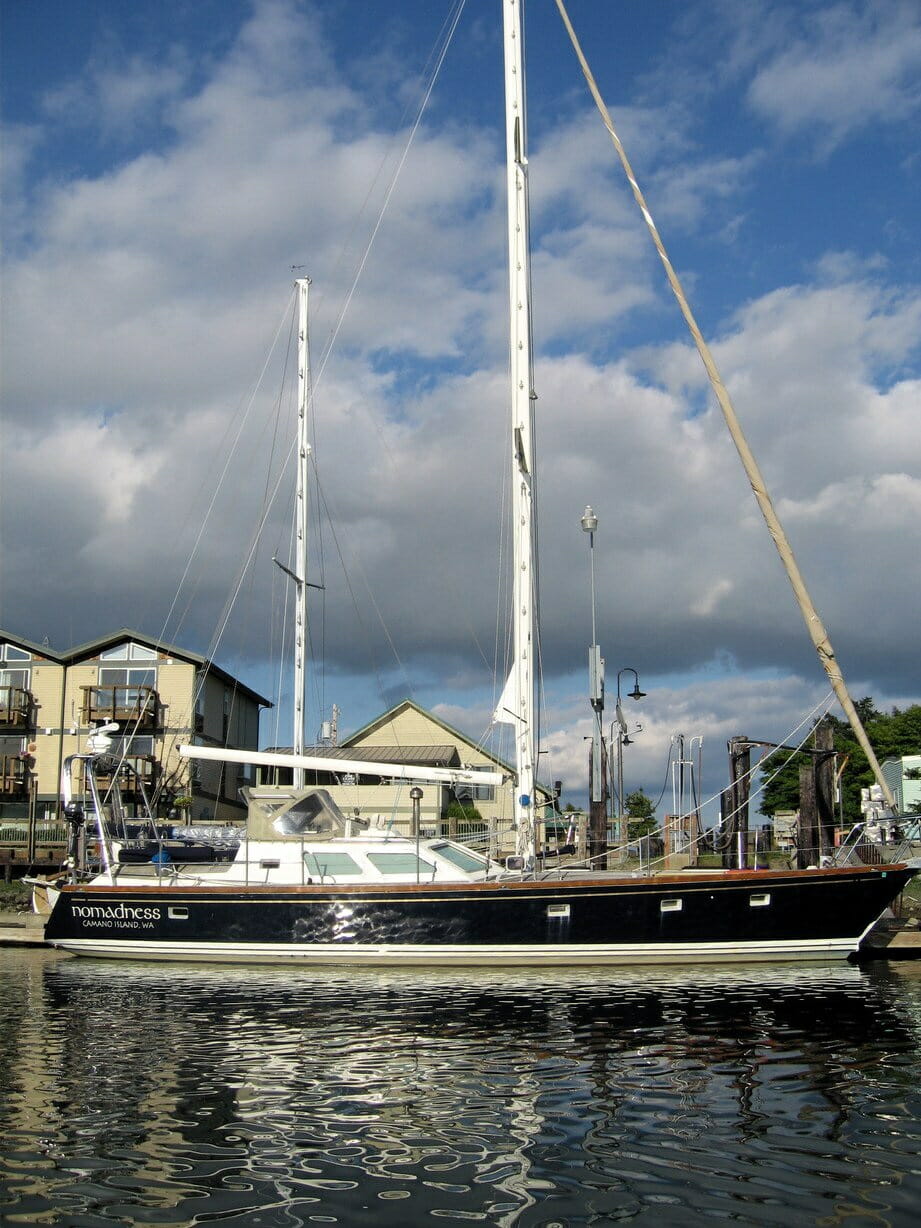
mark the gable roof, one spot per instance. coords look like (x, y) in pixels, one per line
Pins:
(431, 756)
(92, 648)
(38, 650)
(409, 705)
(399, 753)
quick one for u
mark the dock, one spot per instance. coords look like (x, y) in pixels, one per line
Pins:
(22, 929)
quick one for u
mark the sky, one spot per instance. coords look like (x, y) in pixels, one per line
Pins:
(167, 170)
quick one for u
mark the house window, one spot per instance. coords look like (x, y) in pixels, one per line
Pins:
(129, 652)
(12, 673)
(8, 652)
(134, 747)
(479, 793)
(15, 678)
(109, 676)
(125, 673)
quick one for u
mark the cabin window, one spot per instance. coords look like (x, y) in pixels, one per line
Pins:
(759, 899)
(178, 912)
(671, 905)
(401, 863)
(459, 857)
(329, 865)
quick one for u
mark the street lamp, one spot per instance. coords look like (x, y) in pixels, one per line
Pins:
(623, 739)
(598, 824)
(589, 525)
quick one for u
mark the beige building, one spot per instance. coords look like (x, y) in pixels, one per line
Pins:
(159, 695)
(410, 734)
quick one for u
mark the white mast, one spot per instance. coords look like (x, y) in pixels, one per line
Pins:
(300, 554)
(522, 407)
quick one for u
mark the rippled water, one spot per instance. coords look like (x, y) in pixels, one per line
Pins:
(136, 1094)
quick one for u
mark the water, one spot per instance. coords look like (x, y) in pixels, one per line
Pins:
(135, 1094)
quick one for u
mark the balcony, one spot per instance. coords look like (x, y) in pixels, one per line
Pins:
(17, 709)
(15, 778)
(135, 708)
(143, 769)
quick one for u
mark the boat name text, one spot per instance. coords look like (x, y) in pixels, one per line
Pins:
(106, 914)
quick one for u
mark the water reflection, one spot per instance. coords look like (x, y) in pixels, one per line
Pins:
(173, 1095)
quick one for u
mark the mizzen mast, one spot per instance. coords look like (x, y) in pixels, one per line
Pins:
(524, 588)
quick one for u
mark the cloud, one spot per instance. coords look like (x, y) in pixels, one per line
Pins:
(146, 327)
(849, 67)
(117, 95)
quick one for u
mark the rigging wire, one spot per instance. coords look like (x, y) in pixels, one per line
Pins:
(814, 624)
(271, 491)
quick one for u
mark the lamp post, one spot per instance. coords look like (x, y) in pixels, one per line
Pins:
(623, 739)
(598, 823)
(415, 794)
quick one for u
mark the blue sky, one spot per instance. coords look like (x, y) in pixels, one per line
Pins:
(164, 166)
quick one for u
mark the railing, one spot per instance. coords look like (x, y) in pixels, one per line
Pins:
(16, 834)
(16, 708)
(142, 770)
(136, 706)
(14, 777)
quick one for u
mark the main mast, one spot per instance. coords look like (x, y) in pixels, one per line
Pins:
(300, 529)
(522, 409)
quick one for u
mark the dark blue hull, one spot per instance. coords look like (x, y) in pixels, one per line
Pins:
(814, 914)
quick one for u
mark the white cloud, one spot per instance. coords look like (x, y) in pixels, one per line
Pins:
(850, 66)
(141, 304)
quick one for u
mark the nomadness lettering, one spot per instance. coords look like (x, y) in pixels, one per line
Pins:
(115, 912)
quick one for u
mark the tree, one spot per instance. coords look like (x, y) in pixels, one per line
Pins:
(891, 737)
(466, 814)
(640, 814)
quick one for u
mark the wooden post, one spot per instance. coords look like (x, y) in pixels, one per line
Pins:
(740, 774)
(807, 837)
(825, 785)
(728, 828)
(598, 815)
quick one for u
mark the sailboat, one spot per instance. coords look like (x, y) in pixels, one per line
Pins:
(309, 885)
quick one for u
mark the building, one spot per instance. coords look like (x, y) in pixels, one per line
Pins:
(408, 733)
(903, 776)
(159, 695)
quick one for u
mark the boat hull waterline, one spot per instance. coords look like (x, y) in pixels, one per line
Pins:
(740, 916)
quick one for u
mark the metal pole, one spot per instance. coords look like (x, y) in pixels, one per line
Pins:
(415, 794)
(598, 822)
